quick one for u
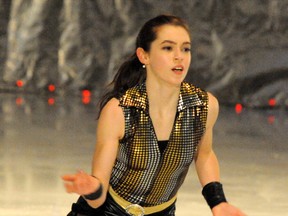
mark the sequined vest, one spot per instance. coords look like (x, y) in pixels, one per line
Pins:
(141, 174)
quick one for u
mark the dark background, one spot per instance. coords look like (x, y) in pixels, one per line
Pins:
(240, 47)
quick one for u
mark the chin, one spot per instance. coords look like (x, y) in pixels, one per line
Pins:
(176, 83)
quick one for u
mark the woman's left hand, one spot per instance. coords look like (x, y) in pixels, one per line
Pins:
(225, 209)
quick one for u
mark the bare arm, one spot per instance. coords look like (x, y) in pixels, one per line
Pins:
(110, 130)
(206, 161)
(207, 165)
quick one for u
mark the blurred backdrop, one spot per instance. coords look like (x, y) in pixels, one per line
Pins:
(240, 48)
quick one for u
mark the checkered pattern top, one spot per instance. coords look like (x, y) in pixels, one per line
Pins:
(141, 174)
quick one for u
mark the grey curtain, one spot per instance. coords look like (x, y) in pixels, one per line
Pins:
(240, 47)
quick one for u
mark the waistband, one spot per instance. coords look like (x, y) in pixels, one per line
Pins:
(135, 209)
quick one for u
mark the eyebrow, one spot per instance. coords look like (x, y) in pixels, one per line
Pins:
(172, 42)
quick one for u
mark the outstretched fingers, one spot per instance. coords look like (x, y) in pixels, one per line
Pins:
(69, 188)
(80, 183)
(69, 178)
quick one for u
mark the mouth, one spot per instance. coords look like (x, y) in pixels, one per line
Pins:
(178, 69)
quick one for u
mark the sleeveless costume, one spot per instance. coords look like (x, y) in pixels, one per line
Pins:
(142, 174)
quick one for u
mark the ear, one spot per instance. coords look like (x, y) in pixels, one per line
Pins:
(142, 55)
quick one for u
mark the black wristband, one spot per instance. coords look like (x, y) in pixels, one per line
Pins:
(96, 194)
(213, 194)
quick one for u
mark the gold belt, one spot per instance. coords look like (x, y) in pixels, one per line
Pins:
(137, 210)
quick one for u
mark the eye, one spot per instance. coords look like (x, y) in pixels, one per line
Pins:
(186, 49)
(168, 48)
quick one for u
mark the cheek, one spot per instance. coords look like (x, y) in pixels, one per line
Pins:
(160, 61)
(188, 60)
(163, 60)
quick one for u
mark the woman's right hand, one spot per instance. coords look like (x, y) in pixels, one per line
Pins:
(80, 183)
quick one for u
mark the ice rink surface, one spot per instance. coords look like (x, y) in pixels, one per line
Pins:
(42, 138)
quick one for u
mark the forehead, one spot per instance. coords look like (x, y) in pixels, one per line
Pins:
(172, 33)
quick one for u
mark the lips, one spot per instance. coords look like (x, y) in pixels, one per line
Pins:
(178, 68)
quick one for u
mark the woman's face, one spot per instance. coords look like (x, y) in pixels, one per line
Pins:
(170, 55)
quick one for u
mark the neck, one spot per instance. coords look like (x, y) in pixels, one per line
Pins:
(162, 96)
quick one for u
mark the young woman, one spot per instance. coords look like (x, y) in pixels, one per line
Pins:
(152, 125)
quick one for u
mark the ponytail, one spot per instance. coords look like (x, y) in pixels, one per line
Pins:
(128, 75)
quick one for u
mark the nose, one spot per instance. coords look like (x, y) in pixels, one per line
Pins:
(178, 55)
(178, 58)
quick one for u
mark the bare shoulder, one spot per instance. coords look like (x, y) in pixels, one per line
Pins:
(112, 118)
(111, 108)
(213, 110)
(213, 101)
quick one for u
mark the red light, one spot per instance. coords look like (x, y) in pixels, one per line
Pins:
(51, 88)
(272, 102)
(19, 101)
(51, 101)
(86, 100)
(19, 83)
(271, 119)
(86, 93)
(238, 108)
